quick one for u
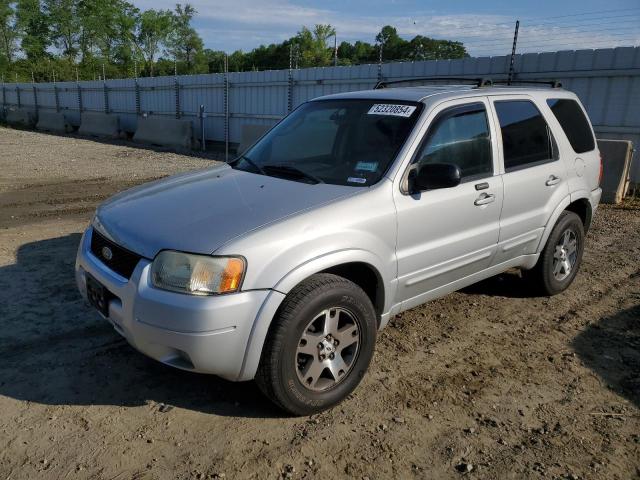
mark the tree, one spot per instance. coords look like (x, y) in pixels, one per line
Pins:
(184, 44)
(8, 34)
(66, 38)
(314, 48)
(154, 27)
(64, 25)
(393, 47)
(32, 24)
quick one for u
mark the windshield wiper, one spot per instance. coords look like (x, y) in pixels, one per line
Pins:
(291, 171)
(250, 162)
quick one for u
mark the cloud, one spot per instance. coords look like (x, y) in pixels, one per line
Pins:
(245, 24)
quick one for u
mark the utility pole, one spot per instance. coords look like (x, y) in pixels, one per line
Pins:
(380, 63)
(335, 49)
(226, 108)
(513, 53)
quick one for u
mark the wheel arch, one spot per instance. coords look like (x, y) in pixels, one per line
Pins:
(359, 266)
(580, 205)
(582, 208)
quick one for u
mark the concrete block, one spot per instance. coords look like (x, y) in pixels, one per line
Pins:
(165, 132)
(616, 162)
(250, 134)
(53, 122)
(21, 117)
(98, 124)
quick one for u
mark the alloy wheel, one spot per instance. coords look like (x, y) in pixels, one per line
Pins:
(327, 349)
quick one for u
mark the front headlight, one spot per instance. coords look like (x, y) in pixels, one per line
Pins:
(196, 274)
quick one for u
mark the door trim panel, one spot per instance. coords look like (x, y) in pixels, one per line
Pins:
(451, 266)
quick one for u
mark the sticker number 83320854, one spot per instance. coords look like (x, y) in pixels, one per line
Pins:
(390, 109)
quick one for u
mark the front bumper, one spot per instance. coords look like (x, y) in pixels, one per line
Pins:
(207, 334)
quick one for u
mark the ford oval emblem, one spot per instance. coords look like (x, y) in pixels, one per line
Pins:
(107, 254)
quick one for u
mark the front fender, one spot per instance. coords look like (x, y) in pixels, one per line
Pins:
(261, 325)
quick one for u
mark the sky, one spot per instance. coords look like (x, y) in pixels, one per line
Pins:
(486, 27)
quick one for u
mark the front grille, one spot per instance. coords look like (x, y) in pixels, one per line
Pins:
(122, 261)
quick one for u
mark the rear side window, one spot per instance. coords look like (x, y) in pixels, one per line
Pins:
(526, 138)
(574, 123)
(460, 136)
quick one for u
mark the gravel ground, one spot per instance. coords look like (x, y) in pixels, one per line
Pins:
(484, 383)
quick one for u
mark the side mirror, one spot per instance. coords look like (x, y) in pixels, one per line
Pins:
(431, 176)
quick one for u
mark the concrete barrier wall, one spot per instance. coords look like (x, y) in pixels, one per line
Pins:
(53, 122)
(165, 132)
(21, 117)
(616, 163)
(99, 125)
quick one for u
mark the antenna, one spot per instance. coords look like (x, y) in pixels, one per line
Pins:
(513, 53)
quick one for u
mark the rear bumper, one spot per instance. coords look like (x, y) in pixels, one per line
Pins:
(207, 334)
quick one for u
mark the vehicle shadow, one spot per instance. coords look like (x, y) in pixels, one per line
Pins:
(508, 284)
(611, 348)
(56, 350)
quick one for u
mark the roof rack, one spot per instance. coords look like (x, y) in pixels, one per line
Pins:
(551, 83)
(477, 82)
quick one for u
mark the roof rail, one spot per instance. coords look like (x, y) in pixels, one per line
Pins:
(551, 83)
(477, 82)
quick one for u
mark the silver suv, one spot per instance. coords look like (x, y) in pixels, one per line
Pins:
(282, 265)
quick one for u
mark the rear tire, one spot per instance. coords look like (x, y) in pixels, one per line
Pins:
(319, 345)
(561, 257)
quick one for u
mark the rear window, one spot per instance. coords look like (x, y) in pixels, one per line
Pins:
(574, 123)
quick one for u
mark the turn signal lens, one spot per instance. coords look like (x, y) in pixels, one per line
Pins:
(231, 276)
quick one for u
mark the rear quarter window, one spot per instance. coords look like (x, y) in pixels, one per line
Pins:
(574, 123)
(526, 139)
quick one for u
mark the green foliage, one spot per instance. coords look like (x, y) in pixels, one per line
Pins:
(315, 48)
(86, 39)
(153, 31)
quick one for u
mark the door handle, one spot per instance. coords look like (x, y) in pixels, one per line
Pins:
(484, 199)
(552, 180)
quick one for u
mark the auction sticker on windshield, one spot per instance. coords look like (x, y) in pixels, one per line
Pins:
(390, 109)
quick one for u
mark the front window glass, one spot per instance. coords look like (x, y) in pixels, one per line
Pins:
(460, 136)
(341, 142)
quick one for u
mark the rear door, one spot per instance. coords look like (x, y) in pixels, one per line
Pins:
(534, 175)
(449, 233)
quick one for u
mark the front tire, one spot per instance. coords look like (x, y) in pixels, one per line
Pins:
(319, 345)
(562, 255)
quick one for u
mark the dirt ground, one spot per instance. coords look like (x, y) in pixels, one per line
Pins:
(485, 383)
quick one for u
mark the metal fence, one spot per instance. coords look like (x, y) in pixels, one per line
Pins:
(606, 80)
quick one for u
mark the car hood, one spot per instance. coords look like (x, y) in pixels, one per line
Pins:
(200, 211)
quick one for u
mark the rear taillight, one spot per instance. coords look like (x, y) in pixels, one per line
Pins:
(601, 171)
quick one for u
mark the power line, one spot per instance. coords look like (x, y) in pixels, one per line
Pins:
(615, 25)
(552, 47)
(540, 39)
(525, 19)
(594, 13)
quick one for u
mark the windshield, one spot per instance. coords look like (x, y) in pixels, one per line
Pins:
(341, 142)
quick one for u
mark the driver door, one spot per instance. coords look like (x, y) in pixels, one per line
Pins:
(447, 234)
